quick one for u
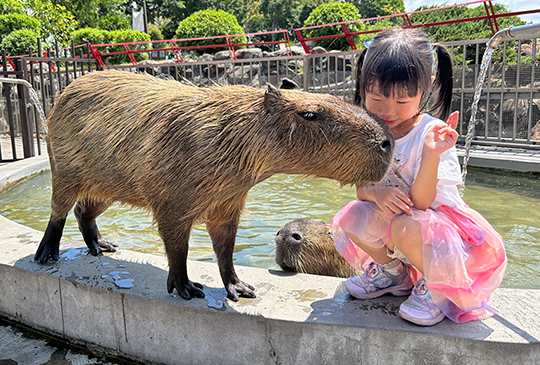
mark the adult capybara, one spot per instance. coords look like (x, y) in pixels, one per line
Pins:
(191, 155)
(307, 246)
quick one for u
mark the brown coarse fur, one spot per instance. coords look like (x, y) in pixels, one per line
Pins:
(306, 246)
(190, 155)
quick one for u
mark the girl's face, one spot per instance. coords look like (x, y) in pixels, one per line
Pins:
(397, 111)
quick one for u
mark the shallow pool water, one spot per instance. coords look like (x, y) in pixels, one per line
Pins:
(509, 202)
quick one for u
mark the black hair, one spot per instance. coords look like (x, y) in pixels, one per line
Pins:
(403, 59)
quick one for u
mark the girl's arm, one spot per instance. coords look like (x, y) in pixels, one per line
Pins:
(438, 140)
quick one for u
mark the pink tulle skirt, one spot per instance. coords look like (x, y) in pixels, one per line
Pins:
(463, 256)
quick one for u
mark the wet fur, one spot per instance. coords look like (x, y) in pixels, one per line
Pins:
(190, 155)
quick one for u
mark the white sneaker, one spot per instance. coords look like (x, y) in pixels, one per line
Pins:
(419, 308)
(375, 281)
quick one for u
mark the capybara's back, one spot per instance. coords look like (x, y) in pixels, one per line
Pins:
(191, 155)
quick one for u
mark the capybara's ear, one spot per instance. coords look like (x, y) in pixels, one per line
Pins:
(271, 96)
(289, 84)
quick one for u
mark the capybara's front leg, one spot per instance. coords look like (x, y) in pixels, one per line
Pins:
(86, 212)
(223, 237)
(175, 236)
(49, 247)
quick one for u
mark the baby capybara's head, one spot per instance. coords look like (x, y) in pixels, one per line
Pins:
(324, 136)
(306, 246)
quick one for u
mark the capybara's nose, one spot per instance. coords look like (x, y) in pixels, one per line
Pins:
(296, 237)
(386, 146)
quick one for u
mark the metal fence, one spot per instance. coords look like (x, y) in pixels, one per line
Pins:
(509, 109)
(21, 132)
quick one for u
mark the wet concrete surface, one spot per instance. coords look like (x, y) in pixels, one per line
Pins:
(22, 346)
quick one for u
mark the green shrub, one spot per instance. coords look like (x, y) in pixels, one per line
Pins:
(126, 36)
(209, 23)
(11, 7)
(92, 35)
(11, 22)
(17, 42)
(334, 13)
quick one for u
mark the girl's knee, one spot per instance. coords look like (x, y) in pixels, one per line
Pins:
(405, 229)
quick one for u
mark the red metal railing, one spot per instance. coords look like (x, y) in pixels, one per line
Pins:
(46, 54)
(227, 41)
(224, 41)
(490, 16)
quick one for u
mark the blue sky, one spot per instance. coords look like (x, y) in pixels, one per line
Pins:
(513, 5)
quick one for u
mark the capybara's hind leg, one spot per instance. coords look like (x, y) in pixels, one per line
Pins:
(86, 212)
(175, 235)
(223, 235)
(49, 247)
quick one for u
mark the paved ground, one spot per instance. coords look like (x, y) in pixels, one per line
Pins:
(21, 346)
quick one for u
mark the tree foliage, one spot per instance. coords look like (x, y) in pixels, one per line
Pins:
(209, 23)
(11, 7)
(56, 22)
(104, 14)
(461, 31)
(334, 13)
(376, 8)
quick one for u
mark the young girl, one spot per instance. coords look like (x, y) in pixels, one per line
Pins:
(414, 223)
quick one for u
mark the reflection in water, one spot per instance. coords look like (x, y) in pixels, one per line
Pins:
(509, 202)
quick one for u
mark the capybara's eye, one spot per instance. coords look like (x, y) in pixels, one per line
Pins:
(308, 115)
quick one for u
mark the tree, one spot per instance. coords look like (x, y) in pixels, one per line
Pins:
(280, 14)
(334, 13)
(460, 31)
(56, 22)
(376, 8)
(106, 14)
(11, 7)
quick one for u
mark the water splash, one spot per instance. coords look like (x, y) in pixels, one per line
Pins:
(484, 66)
(73, 253)
(119, 282)
(33, 96)
(37, 105)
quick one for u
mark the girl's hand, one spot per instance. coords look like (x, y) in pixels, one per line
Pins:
(441, 138)
(389, 199)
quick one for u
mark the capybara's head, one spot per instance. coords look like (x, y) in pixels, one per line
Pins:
(306, 246)
(324, 136)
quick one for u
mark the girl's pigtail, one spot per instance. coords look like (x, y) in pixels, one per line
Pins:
(443, 82)
(359, 64)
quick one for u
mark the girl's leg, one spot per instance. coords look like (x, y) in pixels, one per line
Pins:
(378, 254)
(385, 275)
(419, 308)
(407, 237)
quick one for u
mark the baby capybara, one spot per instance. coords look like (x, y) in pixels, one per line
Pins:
(307, 246)
(191, 155)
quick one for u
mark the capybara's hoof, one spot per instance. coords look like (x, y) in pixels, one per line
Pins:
(186, 290)
(45, 254)
(106, 245)
(240, 289)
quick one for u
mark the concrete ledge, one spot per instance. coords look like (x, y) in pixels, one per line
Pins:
(502, 158)
(296, 318)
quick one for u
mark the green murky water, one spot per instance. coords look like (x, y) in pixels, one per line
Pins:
(509, 202)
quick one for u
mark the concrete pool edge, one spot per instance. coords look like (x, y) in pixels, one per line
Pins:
(295, 319)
